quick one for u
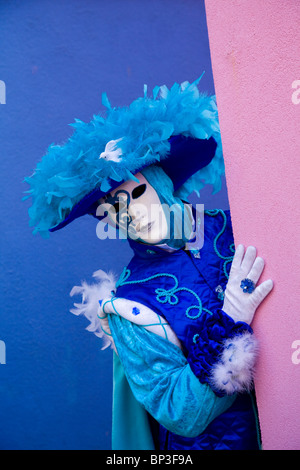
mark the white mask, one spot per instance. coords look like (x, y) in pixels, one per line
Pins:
(135, 207)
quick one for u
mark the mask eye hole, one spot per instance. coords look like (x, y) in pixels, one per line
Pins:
(138, 191)
(116, 206)
(119, 206)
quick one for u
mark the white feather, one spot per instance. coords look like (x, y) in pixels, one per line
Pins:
(104, 287)
(234, 371)
(112, 152)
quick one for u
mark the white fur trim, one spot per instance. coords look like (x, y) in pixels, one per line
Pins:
(90, 308)
(235, 370)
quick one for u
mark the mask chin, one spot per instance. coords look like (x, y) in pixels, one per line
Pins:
(177, 214)
(156, 243)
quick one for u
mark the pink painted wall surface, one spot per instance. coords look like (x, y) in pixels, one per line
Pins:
(255, 51)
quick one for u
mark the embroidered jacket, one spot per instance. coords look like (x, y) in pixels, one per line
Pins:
(187, 289)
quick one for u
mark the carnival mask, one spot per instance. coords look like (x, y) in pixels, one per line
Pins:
(135, 208)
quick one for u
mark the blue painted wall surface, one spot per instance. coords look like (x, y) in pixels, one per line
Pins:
(56, 59)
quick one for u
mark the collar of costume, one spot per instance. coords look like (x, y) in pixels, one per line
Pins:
(173, 126)
(144, 250)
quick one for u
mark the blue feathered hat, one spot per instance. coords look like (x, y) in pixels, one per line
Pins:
(176, 128)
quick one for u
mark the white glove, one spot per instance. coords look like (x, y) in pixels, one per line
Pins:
(239, 305)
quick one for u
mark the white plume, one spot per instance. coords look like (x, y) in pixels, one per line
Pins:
(104, 287)
(234, 372)
(112, 151)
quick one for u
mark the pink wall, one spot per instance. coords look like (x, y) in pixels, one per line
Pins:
(255, 50)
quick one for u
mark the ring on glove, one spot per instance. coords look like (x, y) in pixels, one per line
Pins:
(247, 286)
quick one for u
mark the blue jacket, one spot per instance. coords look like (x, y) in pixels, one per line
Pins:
(183, 287)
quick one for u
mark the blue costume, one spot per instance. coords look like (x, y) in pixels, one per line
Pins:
(172, 283)
(176, 130)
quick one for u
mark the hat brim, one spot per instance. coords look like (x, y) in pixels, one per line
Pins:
(187, 156)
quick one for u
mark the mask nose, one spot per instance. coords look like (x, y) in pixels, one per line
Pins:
(138, 215)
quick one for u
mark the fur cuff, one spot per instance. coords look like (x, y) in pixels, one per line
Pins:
(235, 370)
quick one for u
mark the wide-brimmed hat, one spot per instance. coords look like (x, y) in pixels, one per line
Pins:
(176, 128)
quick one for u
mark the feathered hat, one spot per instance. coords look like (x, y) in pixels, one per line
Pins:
(176, 128)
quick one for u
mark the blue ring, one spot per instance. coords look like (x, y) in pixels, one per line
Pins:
(247, 286)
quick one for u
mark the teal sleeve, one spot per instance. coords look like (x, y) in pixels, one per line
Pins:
(162, 381)
(130, 421)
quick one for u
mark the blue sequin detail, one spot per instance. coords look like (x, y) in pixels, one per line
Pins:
(136, 311)
(220, 292)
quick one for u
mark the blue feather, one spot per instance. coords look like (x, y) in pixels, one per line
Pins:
(68, 172)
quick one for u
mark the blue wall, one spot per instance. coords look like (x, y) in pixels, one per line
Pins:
(56, 59)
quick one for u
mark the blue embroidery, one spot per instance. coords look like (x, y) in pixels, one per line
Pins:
(135, 311)
(166, 295)
(195, 338)
(159, 324)
(227, 259)
(169, 295)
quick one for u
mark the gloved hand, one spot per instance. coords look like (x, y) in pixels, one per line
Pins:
(239, 305)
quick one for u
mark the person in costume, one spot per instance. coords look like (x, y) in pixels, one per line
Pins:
(178, 318)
